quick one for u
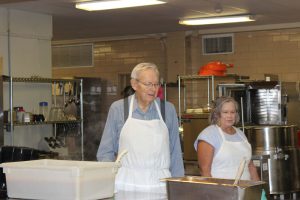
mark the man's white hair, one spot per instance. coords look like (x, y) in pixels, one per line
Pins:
(142, 67)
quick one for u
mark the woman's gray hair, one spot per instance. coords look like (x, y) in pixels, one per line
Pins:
(142, 67)
(216, 111)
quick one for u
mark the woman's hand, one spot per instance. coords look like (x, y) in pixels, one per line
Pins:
(253, 172)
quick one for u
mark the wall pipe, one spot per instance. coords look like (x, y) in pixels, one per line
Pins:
(10, 91)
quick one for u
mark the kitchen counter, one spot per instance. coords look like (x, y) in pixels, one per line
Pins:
(126, 195)
(152, 196)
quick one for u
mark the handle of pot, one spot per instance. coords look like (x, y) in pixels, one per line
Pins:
(240, 171)
(118, 160)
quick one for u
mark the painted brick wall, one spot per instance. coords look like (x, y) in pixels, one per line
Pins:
(255, 54)
(263, 52)
(116, 57)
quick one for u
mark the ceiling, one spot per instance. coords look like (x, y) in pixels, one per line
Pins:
(71, 23)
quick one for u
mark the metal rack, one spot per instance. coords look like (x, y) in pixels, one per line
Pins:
(193, 123)
(11, 124)
(210, 87)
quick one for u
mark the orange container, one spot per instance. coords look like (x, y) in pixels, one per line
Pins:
(215, 68)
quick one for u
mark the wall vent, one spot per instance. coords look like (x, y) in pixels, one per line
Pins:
(79, 55)
(217, 44)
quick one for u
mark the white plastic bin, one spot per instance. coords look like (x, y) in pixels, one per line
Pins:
(60, 179)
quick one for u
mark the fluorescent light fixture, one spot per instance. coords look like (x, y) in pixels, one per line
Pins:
(114, 4)
(217, 20)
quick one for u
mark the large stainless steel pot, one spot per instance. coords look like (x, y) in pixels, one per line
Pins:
(267, 138)
(280, 143)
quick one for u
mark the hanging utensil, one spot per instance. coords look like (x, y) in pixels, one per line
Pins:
(76, 94)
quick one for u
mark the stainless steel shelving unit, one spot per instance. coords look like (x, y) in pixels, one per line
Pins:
(10, 126)
(210, 87)
(193, 123)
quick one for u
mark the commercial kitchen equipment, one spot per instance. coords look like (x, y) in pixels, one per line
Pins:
(281, 169)
(21, 129)
(265, 102)
(195, 95)
(97, 96)
(269, 109)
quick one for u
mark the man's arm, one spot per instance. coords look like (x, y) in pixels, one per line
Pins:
(108, 147)
(176, 165)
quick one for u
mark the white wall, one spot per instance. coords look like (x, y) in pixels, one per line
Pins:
(25, 39)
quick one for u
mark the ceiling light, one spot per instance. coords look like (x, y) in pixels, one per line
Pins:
(114, 4)
(217, 20)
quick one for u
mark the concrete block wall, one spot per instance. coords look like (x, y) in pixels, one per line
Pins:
(255, 53)
(263, 52)
(175, 57)
(112, 58)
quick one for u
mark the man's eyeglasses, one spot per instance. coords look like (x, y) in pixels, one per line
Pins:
(149, 85)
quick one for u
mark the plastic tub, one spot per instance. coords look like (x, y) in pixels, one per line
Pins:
(60, 179)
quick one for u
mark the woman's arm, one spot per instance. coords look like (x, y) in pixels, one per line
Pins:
(253, 172)
(205, 154)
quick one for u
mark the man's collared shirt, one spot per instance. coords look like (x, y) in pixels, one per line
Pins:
(109, 144)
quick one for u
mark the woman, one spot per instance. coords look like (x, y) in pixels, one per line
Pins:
(221, 147)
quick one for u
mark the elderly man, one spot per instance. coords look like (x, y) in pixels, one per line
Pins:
(153, 144)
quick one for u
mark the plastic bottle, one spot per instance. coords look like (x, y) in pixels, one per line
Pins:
(20, 111)
(43, 109)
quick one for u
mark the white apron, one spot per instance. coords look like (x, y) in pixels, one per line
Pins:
(148, 157)
(226, 162)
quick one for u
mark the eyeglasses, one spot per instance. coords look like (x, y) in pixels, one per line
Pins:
(149, 85)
